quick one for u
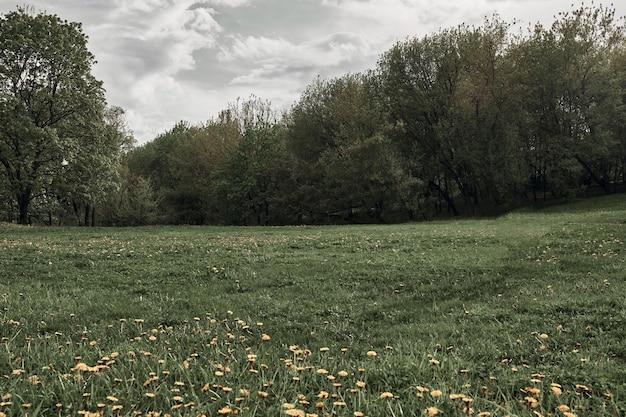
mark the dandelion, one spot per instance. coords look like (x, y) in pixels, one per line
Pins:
(112, 399)
(372, 354)
(324, 349)
(436, 393)
(434, 361)
(224, 411)
(432, 411)
(563, 408)
(339, 404)
(265, 337)
(556, 391)
(294, 412)
(263, 394)
(386, 395)
(342, 374)
(360, 384)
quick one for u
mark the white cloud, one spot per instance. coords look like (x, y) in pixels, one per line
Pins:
(167, 60)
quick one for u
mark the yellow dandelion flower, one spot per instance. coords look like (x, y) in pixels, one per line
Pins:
(568, 414)
(322, 372)
(263, 394)
(563, 408)
(150, 394)
(319, 405)
(484, 414)
(289, 406)
(116, 408)
(322, 394)
(434, 361)
(324, 349)
(339, 404)
(360, 384)
(224, 411)
(265, 337)
(295, 412)
(432, 411)
(556, 391)
(342, 374)
(386, 395)
(372, 354)
(436, 393)
(358, 414)
(455, 397)
(112, 399)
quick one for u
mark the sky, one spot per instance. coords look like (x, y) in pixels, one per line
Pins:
(164, 61)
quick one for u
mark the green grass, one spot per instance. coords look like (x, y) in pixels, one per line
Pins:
(485, 308)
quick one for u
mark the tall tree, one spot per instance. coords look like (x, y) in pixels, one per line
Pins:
(51, 106)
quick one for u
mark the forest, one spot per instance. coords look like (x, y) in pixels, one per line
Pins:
(468, 121)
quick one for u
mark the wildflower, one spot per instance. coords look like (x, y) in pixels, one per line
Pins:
(358, 414)
(484, 414)
(288, 406)
(360, 384)
(556, 391)
(342, 374)
(434, 361)
(432, 411)
(322, 394)
(116, 408)
(322, 372)
(224, 411)
(339, 404)
(386, 395)
(263, 394)
(295, 412)
(319, 405)
(436, 393)
(372, 354)
(563, 408)
(112, 399)
(265, 337)
(324, 349)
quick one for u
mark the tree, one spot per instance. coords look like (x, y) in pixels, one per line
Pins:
(51, 107)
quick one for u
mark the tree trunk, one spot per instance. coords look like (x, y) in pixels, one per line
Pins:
(445, 196)
(600, 180)
(23, 202)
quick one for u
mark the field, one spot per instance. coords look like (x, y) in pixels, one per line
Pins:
(521, 315)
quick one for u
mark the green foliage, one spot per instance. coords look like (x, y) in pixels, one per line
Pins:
(466, 121)
(55, 140)
(497, 310)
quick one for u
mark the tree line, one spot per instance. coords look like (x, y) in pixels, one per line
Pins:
(467, 121)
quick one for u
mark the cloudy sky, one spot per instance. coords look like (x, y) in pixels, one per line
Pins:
(170, 60)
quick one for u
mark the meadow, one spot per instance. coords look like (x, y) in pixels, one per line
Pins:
(520, 315)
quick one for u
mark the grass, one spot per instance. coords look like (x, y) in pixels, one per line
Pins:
(521, 315)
